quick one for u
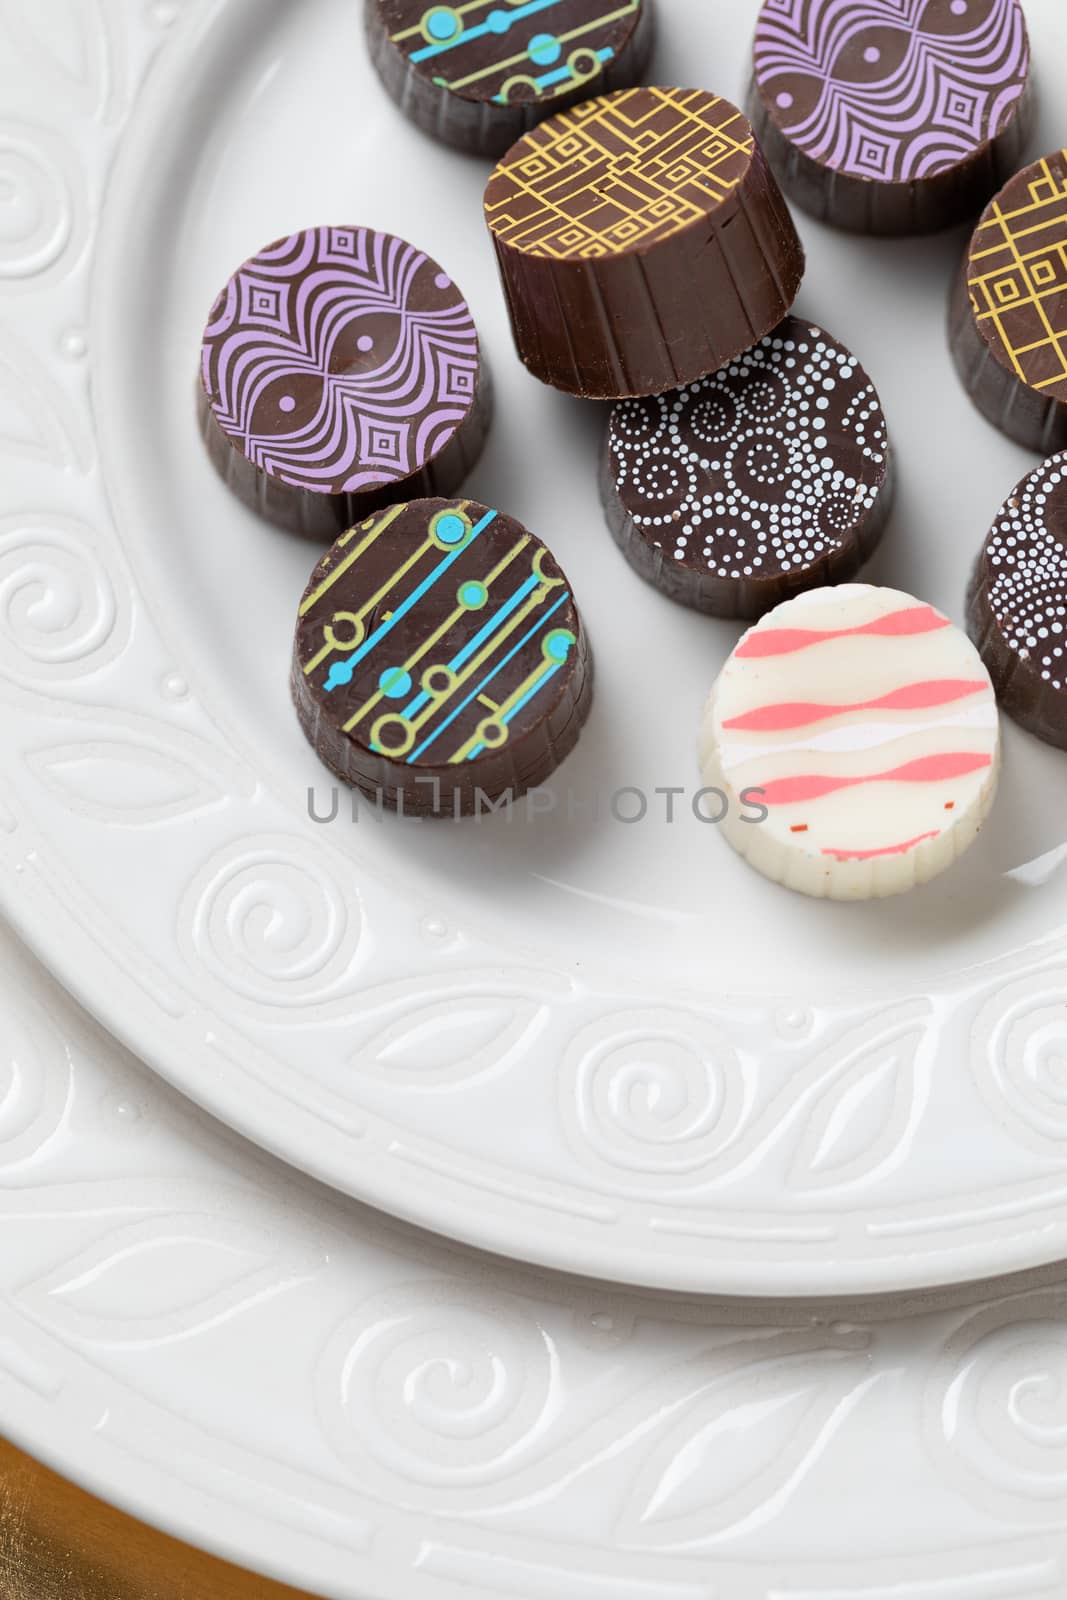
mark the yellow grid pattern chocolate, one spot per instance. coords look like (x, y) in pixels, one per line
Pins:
(1017, 274)
(627, 169)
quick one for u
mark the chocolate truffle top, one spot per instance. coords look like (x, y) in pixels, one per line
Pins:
(1017, 276)
(340, 359)
(436, 632)
(510, 52)
(891, 90)
(761, 468)
(619, 173)
(1024, 564)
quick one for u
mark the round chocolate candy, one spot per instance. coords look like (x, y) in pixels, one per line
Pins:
(440, 663)
(1008, 318)
(341, 372)
(742, 489)
(892, 116)
(642, 242)
(480, 76)
(855, 734)
(1017, 603)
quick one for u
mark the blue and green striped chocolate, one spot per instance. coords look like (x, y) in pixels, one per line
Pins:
(440, 637)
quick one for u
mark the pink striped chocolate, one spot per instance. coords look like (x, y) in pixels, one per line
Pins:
(864, 726)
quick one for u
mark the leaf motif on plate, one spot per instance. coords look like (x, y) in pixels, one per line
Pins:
(847, 1110)
(458, 1034)
(735, 1450)
(113, 780)
(854, 1126)
(66, 45)
(150, 1282)
(35, 420)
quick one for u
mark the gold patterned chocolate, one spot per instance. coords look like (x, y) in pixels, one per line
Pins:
(628, 169)
(1017, 276)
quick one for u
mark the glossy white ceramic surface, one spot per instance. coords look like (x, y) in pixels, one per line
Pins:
(605, 1046)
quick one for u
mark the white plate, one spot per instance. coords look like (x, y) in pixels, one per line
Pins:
(287, 1379)
(606, 1047)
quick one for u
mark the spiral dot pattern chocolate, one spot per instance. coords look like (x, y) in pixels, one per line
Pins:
(339, 360)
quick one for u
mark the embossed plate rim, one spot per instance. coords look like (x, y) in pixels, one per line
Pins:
(125, 1391)
(210, 1037)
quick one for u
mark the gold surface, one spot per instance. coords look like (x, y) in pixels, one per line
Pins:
(57, 1543)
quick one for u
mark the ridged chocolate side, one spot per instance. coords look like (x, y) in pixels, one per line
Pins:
(887, 208)
(482, 127)
(1019, 583)
(1035, 420)
(743, 599)
(471, 791)
(647, 320)
(321, 517)
(1020, 691)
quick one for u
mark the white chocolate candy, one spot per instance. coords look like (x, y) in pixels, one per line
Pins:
(869, 725)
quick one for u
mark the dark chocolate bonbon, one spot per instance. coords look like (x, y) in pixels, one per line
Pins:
(642, 242)
(341, 371)
(1017, 603)
(440, 662)
(892, 116)
(479, 76)
(1008, 316)
(770, 477)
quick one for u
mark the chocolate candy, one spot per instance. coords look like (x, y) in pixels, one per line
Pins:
(479, 76)
(862, 727)
(642, 242)
(341, 372)
(1008, 318)
(440, 664)
(1017, 603)
(892, 116)
(742, 489)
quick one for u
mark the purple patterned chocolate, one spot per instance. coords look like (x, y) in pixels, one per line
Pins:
(341, 372)
(894, 92)
(892, 89)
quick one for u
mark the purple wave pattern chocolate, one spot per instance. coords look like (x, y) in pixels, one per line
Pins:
(891, 90)
(340, 360)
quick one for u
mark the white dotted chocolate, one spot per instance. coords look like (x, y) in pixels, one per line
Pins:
(763, 467)
(1026, 555)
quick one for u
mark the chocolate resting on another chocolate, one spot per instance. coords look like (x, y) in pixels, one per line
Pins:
(340, 372)
(1008, 315)
(642, 243)
(1017, 603)
(771, 477)
(891, 117)
(480, 76)
(440, 663)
